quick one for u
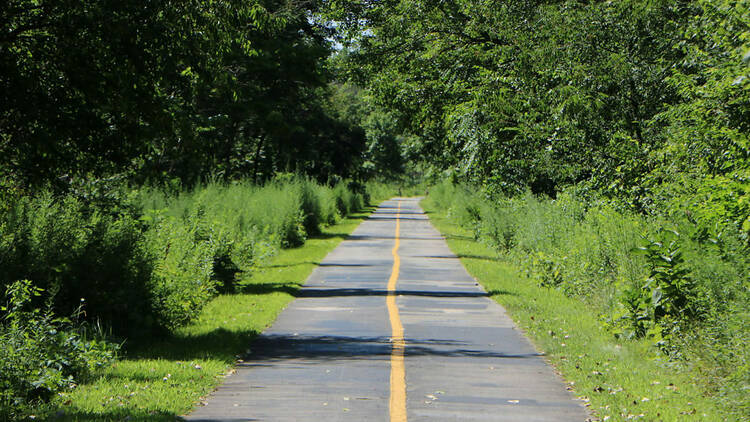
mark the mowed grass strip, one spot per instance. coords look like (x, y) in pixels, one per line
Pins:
(161, 379)
(618, 380)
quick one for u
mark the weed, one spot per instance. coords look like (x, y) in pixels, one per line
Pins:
(42, 354)
(676, 293)
(617, 379)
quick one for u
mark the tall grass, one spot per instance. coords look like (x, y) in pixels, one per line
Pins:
(80, 255)
(205, 238)
(145, 261)
(654, 276)
(151, 258)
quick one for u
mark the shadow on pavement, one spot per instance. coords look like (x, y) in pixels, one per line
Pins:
(312, 292)
(368, 237)
(376, 218)
(270, 348)
(480, 257)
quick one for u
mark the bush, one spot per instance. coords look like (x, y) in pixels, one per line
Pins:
(42, 355)
(202, 241)
(343, 199)
(687, 293)
(329, 212)
(184, 257)
(79, 252)
(147, 260)
(310, 204)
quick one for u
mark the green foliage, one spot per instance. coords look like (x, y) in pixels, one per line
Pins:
(681, 292)
(184, 254)
(79, 251)
(546, 270)
(644, 102)
(148, 260)
(205, 239)
(669, 279)
(143, 262)
(42, 355)
(612, 375)
(229, 88)
(385, 154)
(347, 202)
(310, 204)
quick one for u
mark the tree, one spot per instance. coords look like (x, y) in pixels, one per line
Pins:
(523, 94)
(164, 89)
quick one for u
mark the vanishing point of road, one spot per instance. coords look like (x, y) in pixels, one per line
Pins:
(391, 327)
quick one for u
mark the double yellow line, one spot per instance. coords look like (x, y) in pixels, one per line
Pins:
(398, 372)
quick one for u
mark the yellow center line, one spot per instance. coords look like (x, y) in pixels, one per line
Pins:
(398, 373)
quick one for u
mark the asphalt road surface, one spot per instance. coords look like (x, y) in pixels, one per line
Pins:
(391, 327)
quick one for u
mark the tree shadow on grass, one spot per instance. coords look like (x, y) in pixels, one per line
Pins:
(291, 264)
(267, 288)
(497, 292)
(219, 343)
(459, 237)
(124, 414)
(331, 235)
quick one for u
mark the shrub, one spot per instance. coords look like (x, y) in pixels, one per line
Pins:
(148, 260)
(42, 355)
(687, 293)
(379, 191)
(204, 239)
(184, 258)
(342, 198)
(310, 206)
(329, 212)
(79, 252)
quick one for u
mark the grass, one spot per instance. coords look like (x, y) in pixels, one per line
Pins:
(161, 380)
(618, 380)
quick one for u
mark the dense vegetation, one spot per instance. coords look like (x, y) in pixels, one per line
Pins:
(146, 268)
(168, 90)
(644, 277)
(146, 152)
(604, 147)
(645, 102)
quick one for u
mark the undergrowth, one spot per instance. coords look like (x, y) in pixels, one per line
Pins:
(145, 261)
(43, 355)
(668, 282)
(161, 379)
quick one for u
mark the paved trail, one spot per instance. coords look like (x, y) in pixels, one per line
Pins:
(433, 348)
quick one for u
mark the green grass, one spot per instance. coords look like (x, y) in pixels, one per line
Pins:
(618, 380)
(160, 380)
